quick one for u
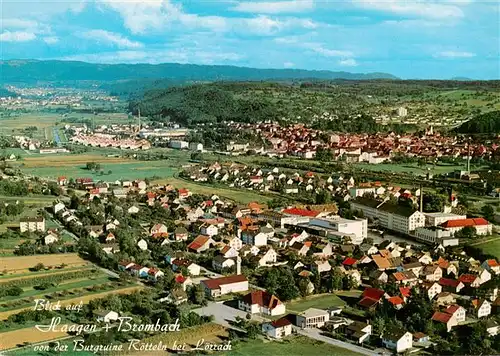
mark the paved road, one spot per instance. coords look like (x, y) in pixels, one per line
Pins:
(315, 334)
(224, 314)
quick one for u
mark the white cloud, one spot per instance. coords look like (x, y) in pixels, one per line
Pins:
(423, 8)
(51, 40)
(106, 37)
(18, 23)
(318, 48)
(157, 15)
(17, 36)
(455, 54)
(288, 64)
(275, 7)
(349, 62)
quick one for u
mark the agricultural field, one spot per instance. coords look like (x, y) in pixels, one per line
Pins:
(409, 168)
(211, 333)
(77, 295)
(297, 345)
(323, 301)
(22, 264)
(30, 350)
(11, 339)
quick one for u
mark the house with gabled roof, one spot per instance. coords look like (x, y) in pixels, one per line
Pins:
(492, 266)
(444, 318)
(201, 244)
(159, 230)
(224, 285)
(371, 297)
(480, 308)
(261, 302)
(470, 280)
(432, 289)
(278, 328)
(451, 285)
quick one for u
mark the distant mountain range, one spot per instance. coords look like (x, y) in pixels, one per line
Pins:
(29, 71)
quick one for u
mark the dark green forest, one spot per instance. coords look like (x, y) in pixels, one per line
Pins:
(488, 123)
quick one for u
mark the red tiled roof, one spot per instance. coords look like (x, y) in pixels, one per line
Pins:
(368, 302)
(467, 278)
(198, 242)
(180, 279)
(452, 309)
(349, 261)
(441, 317)
(405, 291)
(262, 298)
(465, 222)
(282, 322)
(216, 283)
(373, 293)
(443, 263)
(396, 300)
(492, 263)
(301, 212)
(447, 282)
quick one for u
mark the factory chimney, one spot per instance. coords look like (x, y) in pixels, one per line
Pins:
(238, 265)
(421, 198)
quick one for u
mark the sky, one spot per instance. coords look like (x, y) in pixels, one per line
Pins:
(426, 39)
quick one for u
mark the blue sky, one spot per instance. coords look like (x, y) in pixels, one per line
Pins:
(411, 39)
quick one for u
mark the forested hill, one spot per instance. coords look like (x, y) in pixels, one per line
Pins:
(256, 102)
(34, 70)
(488, 123)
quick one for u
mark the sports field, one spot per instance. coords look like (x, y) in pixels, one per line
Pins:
(322, 301)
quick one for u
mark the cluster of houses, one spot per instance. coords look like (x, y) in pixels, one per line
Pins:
(300, 141)
(110, 140)
(320, 241)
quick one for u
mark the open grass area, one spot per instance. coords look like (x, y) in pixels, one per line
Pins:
(490, 245)
(238, 195)
(114, 168)
(322, 301)
(297, 345)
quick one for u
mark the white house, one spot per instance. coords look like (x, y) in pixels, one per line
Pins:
(224, 285)
(277, 329)
(480, 308)
(312, 318)
(261, 302)
(35, 224)
(142, 244)
(398, 340)
(50, 239)
(59, 207)
(209, 230)
(269, 257)
(107, 316)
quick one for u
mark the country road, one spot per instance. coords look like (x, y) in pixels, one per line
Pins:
(316, 334)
